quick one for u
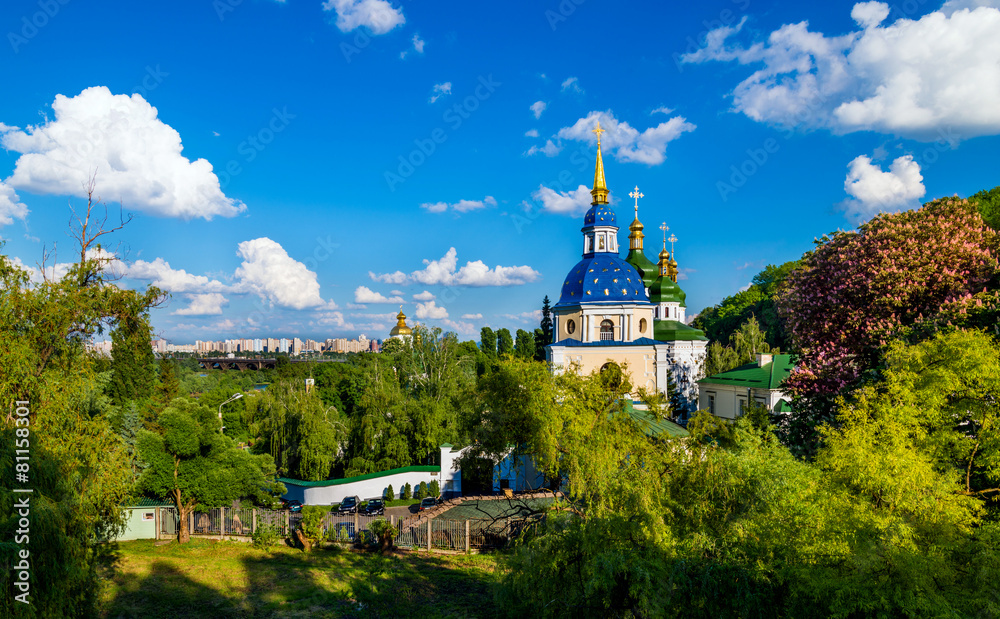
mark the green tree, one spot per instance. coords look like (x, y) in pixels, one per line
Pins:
(169, 386)
(546, 323)
(988, 203)
(406, 492)
(744, 344)
(390, 494)
(434, 489)
(488, 341)
(505, 343)
(524, 346)
(195, 465)
(133, 373)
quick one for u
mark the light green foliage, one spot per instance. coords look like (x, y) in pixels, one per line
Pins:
(312, 522)
(434, 488)
(406, 492)
(744, 344)
(194, 465)
(389, 494)
(265, 536)
(301, 433)
(420, 491)
(80, 469)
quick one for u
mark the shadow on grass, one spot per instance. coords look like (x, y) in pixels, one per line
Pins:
(236, 580)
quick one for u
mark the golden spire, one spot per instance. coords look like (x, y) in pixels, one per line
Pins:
(600, 190)
(672, 269)
(664, 255)
(635, 235)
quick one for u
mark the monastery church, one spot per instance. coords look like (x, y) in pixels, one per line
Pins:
(615, 310)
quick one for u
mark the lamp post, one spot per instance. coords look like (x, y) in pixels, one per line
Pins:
(235, 396)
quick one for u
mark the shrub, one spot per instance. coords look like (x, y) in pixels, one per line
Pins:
(434, 488)
(265, 536)
(312, 523)
(420, 491)
(407, 492)
(384, 532)
(390, 494)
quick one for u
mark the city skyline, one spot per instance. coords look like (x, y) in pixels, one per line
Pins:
(308, 167)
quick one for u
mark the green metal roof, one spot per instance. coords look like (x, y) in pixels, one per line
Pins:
(782, 406)
(666, 290)
(767, 376)
(348, 480)
(651, 426)
(674, 331)
(148, 502)
(646, 268)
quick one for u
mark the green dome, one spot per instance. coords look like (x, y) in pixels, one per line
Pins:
(647, 269)
(666, 290)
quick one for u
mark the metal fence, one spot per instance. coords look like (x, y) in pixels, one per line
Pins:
(458, 534)
(225, 521)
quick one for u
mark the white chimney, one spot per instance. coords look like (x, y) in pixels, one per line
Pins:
(763, 358)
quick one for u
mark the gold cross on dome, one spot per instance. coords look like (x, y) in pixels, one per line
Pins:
(636, 194)
(664, 227)
(598, 131)
(672, 239)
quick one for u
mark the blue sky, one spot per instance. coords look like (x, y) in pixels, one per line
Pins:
(301, 168)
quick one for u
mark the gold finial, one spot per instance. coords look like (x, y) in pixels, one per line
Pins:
(600, 190)
(672, 239)
(635, 230)
(664, 227)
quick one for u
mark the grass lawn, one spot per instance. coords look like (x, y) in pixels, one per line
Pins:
(233, 579)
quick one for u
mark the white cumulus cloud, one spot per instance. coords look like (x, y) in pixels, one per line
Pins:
(531, 133)
(363, 294)
(377, 15)
(418, 43)
(626, 142)
(136, 157)
(431, 311)
(159, 273)
(537, 108)
(873, 190)
(11, 207)
(472, 316)
(445, 272)
(424, 296)
(209, 304)
(269, 272)
(574, 203)
(462, 206)
(922, 78)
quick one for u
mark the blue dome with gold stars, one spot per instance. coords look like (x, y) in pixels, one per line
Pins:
(602, 278)
(599, 215)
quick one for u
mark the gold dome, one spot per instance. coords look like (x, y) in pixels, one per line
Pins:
(400, 328)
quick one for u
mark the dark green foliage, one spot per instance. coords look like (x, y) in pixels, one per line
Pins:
(169, 386)
(988, 203)
(744, 344)
(420, 491)
(434, 488)
(407, 492)
(133, 373)
(721, 321)
(389, 493)
(524, 347)
(546, 324)
(194, 465)
(265, 536)
(505, 344)
(488, 341)
(540, 344)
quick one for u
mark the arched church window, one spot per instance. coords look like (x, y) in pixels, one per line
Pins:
(607, 330)
(642, 325)
(570, 326)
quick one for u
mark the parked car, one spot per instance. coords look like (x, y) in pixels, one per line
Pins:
(427, 503)
(292, 505)
(375, 507)
(349, 505)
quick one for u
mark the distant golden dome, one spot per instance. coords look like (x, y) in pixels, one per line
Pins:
(400, 328)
